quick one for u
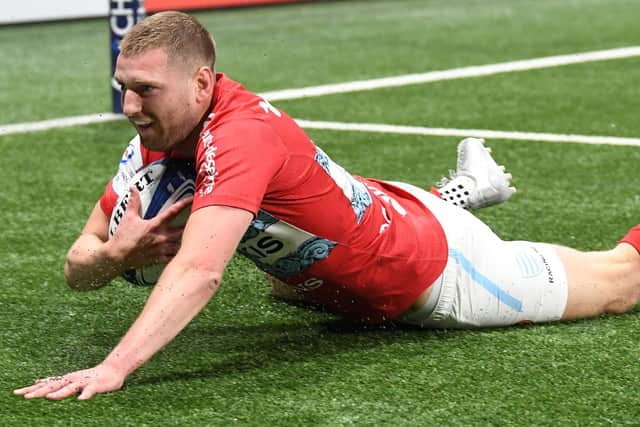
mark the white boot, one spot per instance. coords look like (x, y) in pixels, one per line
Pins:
(478, 181)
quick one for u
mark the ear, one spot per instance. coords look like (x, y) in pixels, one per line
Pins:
(205, 81)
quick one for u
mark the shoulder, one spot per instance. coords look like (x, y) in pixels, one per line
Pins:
(248, 132)
(237, 111)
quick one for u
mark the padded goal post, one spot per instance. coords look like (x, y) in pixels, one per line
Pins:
(123, 14)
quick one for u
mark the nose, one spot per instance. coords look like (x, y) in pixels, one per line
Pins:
(131, 103)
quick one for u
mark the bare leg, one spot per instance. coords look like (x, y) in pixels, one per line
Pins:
(601, 282)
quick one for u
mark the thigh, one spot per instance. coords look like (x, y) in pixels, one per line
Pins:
(491, 282)
(520, 282)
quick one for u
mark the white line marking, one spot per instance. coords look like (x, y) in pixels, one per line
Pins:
(408, 79)
(58, 123)
(479, 133)
(455, 73)
(363, 127)
(356, 127)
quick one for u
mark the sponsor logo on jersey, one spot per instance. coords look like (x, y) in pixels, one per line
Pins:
(268, 108)
(208, 170)
(386, 199)
(281, 249)
(128, 154)
(130, 163)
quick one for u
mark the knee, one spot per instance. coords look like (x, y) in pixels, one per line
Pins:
(602, 282)
(624, 301)
(624, 288)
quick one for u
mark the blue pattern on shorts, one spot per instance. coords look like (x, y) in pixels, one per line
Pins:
(485, 282)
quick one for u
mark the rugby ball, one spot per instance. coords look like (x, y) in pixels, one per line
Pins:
(160, 184)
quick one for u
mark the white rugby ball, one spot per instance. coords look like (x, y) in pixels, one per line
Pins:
(160, 184)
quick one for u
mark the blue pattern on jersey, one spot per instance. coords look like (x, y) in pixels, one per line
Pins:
(322, 159)
(261, 223)
(312, 250)
(360, 197)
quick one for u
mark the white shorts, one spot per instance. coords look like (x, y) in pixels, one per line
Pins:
(487, 281)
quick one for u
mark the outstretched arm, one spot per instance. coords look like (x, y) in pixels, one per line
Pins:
(93, 260)
(186, 285)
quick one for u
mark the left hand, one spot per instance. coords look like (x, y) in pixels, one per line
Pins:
(138, 242)
(88, 382)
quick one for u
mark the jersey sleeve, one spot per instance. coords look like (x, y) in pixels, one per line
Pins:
(134, 158)
(108, 199)
(236, 163)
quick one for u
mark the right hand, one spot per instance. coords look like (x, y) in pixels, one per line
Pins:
(139, 242)
(88, 382)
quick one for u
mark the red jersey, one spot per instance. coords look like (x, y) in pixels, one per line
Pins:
(359, 246)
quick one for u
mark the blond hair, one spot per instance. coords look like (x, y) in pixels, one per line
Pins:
(183, 38)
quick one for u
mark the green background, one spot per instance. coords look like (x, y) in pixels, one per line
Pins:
(251, 360)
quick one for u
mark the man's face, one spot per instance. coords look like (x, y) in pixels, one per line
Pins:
(158, 98)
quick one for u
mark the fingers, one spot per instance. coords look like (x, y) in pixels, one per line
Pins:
(39, 383)
(66, 391)
(57, 388)
(173, 210)
(26, 390)
(133, 205)
(167, 239)
(174, 234)
(87, 393)
(170, 250)
(87, 382)
(43, 387)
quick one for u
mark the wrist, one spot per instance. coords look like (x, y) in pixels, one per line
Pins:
(114, 256)
(122, 364)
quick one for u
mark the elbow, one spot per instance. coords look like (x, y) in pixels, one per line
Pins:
(70, 277)
(77, 279)
(68, 272)
(202, 281)
(87, 266)
(71, 269)
(212, 281)
(199, 277)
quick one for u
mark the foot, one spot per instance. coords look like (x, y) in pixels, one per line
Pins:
(478, 181)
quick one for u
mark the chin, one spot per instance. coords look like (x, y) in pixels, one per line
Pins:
(153, 144)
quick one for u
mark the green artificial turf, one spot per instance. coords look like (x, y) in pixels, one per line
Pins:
(248, 359)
